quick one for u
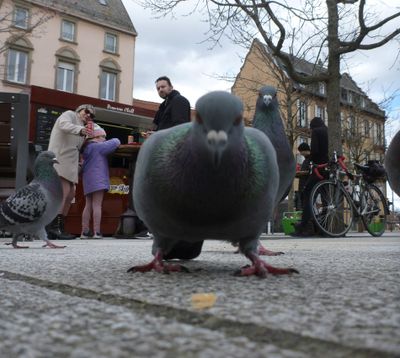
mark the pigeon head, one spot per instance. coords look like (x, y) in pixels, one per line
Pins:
(219, 122)
(266, 96)
(44, 163)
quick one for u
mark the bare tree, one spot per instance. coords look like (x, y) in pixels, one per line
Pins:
(324, 31)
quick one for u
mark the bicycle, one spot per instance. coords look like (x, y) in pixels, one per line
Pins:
(335, 205)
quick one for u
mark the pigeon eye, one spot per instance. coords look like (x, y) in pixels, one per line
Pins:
(198, 119)
(238, 120)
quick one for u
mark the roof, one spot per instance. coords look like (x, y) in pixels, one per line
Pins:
(112, 14)
(309, 68)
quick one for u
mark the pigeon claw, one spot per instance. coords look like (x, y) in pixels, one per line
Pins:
(16, 246)
(159, 266)
(262, 269)
(265, 252)
(53, 246)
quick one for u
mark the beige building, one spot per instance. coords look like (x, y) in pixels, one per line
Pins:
(82, 47)
(362, 120)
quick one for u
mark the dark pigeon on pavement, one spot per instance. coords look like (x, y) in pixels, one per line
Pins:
(392, 163)
(209, 179)
(32, 207)
(268, 120)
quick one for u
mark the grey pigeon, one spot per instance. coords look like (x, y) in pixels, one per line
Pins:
(32, 207)
(209, 179)
(268, 120)
(392, 163)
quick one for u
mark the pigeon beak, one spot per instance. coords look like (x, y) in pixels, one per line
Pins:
(55, 161)
(267, 99)
(217, 142)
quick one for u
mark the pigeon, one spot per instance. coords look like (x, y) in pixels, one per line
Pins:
(32, 207)
(268, 120)
(208, 179)
(392, 163)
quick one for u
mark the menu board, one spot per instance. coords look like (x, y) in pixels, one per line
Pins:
(45, 119)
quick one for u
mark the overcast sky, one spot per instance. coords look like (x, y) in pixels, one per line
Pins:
(175, 48)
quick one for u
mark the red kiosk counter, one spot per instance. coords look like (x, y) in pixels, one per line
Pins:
(118, 120)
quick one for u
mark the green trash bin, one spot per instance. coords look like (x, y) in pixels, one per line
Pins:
(288, 219)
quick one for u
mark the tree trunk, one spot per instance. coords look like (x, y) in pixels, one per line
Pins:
(333, 84)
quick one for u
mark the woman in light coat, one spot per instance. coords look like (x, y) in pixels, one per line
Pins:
(66, 139)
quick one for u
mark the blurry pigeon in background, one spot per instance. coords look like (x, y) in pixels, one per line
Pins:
(268, 120)
(209, 179)
(32, 207)
(392, 163)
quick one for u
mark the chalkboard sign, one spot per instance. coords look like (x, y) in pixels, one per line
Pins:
(45, 119)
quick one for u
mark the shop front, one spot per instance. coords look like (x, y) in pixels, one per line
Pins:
(119, 120)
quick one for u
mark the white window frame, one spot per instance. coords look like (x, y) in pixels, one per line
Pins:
(16, 73)
(320, 112)
(321, 88)
(65, 77)
(114, 45)
(21, 23)
(302, 114)
(108, 85)
(67, 35)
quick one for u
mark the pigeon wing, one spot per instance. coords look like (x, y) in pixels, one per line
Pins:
(25, 206)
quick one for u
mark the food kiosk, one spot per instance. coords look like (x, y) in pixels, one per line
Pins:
(119, 120)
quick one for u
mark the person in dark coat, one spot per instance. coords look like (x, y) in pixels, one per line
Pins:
(174, 110)
(95, 178)
(304, 150)
(319, 155)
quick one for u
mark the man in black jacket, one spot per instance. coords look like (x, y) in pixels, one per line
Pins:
(319, 155)
(174, 110)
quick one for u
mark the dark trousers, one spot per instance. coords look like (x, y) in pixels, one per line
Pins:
(306, 202)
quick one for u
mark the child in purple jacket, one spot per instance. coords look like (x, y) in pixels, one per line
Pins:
(95, 178)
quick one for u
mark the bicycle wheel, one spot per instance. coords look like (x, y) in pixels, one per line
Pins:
(374, 210)
(331, 208)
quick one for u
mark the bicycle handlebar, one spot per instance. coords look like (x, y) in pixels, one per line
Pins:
(339, 160)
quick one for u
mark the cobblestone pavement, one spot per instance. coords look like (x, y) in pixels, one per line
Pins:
(81, 302)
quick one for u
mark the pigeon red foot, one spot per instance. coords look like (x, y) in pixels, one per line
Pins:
(53, 246)
(261, 268)
(265, 252)
(158, 265)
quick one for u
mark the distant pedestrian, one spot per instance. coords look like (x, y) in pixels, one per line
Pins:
(95, 178)
(304, 150)
(319, 155)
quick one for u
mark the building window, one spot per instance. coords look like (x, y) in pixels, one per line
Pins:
(108, 81)
(68, 30)
(110, 43)
(65, 77)
(350, 97)
(302, 114)
(321, 88)
(67, 69)
(320, 112)
(343, 94)
(366, 128)
(21, 16)
(17, 66)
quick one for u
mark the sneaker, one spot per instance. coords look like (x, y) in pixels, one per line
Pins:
(86, 235)
(97, 235)
(144, 235)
